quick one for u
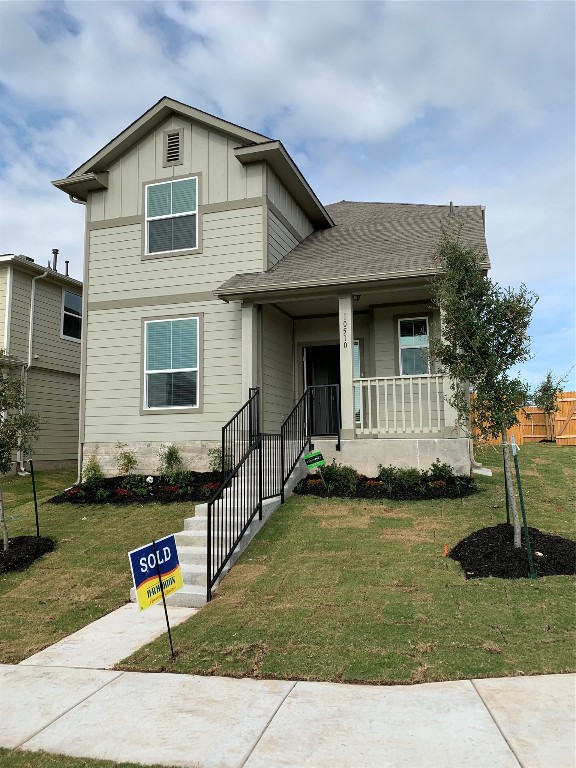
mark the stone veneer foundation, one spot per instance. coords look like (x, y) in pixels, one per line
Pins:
(194, 455)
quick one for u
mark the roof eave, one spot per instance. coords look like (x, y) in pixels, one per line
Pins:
(37, 269)
(80, 185)
(274, 153)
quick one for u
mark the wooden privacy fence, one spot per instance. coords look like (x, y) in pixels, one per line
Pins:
(532, 427)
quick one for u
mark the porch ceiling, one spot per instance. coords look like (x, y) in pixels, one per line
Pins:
(310, 303)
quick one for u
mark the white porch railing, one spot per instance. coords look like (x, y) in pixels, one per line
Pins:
(394, 405)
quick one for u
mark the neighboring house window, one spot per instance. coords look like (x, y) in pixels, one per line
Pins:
(171, 363)
(413, 337)
(172, 216)
(71, 316)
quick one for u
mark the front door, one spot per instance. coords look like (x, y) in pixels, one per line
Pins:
(322, 369)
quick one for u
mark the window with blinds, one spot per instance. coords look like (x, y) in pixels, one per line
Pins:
(171, 363)
(172, 216)
(413, 343)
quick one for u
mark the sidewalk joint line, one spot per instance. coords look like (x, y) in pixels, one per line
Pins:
(267, 725)
(496, 723)
(77, 704)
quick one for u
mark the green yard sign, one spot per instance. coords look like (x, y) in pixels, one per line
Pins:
(314, 459)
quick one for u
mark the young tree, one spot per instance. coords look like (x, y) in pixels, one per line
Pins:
(484, 333)
(546, 397)
(18, 429)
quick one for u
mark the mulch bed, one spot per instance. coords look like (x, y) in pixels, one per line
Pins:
(200, 486)
(490, 552)
(22, 551)
(372, 488)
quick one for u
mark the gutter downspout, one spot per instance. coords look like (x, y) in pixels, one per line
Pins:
(27, 367)
(82, 340)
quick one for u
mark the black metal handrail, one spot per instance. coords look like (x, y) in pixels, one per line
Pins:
(240, 432)
(272, 477)
(294, 437)
(231, 510)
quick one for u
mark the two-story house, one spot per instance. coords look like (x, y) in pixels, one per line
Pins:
(212, 267)
(41, 328)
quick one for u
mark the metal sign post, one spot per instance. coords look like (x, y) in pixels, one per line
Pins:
(34, 492)
(315, 460)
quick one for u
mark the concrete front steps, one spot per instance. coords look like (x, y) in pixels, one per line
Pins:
(191, 544)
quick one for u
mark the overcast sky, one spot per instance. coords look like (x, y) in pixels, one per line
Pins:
(416, 102)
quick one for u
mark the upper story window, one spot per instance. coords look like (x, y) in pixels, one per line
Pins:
(71, 316)
(413, 343)
(171, 363)
(172, 216)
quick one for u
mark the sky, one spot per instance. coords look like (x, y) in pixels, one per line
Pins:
(409, 102)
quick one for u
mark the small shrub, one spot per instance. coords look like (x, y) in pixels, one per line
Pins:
(92, 473)
(170, 460)
(183, 478)
(101, 494)
(441, 471)
(125, 460)
(215, 459)
(340, 480)
(136, 484)
(209, 489)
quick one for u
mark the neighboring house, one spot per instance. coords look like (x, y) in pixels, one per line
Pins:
(41, 326)
(212, 267)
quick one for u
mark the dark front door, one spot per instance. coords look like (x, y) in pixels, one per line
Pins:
(322, 373)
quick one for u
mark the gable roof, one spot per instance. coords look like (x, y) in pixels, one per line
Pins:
(370, 242)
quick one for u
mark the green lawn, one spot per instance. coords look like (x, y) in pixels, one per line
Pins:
(87, 575)
(16, 759)
(352, 590)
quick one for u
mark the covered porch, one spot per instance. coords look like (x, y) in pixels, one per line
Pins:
(364, 353)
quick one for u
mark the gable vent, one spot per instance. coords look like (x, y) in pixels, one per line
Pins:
(173, 147)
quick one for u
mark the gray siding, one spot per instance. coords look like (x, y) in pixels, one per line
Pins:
(277, 368)
(3, 291)
(280, 240)
(286, 205)
(385, 341)
(114, 375)
(49, 349)
(231, 243)
(207, 152)
(56, 397)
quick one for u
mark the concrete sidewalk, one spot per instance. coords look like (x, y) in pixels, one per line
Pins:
(54, 702)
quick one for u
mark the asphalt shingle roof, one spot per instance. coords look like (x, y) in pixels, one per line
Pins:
(370, 241)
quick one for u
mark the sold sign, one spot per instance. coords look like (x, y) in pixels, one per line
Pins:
(149, 564)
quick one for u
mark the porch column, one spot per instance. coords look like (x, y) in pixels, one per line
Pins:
(346, 323)
(249, 348)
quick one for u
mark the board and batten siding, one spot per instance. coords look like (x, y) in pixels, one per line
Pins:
(280, 240)
(277, 368)
(286, 205)
(49, 349)
(55, 395)
(115, 368)
(232, 243)
(207, 152)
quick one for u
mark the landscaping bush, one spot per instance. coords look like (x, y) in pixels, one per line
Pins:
(392, 483)
(125, 460)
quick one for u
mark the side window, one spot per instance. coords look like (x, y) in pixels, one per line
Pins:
(172, 216)
(171, 363)
(413, 343)
(71, 316)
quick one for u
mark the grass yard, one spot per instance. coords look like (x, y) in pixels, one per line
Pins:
(352, 590)
(88, 573)
(17, 759)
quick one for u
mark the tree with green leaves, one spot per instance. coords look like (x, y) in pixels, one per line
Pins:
(18, 429)
(484, 334)
(546, 397)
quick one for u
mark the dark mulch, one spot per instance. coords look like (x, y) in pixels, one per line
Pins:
(22, 551)
(197, 486)
(372, 488)
(490, 552)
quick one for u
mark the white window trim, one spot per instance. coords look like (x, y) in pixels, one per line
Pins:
(145, 405)
(62, 313)
(171, 216)
(413, 346)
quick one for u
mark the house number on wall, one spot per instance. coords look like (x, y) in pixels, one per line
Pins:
(345, 332)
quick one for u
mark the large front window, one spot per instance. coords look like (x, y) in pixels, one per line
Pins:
(172, 216)
(171, 363)
(413, 338)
